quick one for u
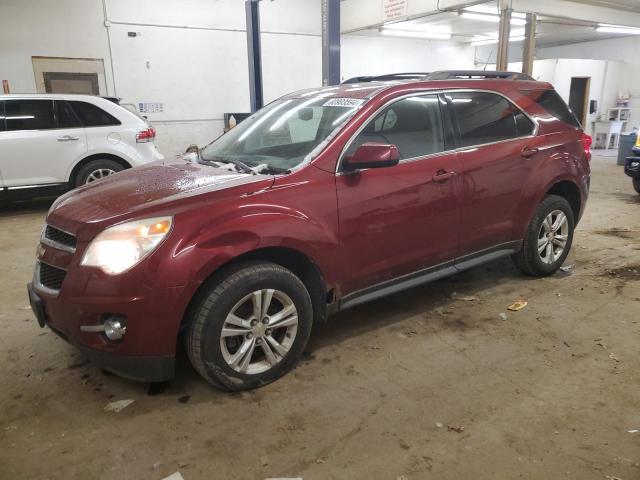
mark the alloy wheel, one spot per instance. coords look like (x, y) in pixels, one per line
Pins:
(99, 173)
(553, 236)
(259, 331)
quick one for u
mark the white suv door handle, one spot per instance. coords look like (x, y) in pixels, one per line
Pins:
(67, 138)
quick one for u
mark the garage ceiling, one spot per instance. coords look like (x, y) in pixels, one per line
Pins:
(551, 31)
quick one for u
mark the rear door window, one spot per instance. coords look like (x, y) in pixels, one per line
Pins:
(413, 124)
(65, 116)
(92, 116)
(484, 117)
(29, 115)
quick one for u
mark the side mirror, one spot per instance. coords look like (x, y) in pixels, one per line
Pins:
(372, 155)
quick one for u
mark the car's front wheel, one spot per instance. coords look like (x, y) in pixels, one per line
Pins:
(250, 328)
(636, 184)
(548, 238)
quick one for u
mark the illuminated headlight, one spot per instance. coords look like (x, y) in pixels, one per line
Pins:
(120, 247)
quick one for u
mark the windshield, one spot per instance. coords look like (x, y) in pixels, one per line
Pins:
(283, 135)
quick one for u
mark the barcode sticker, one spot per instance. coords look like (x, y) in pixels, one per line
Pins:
(343, 102)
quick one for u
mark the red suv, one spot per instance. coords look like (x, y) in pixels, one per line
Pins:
(322, 200)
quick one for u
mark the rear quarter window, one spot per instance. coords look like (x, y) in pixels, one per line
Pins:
(484, 117)
(551, 102)
(92, 116)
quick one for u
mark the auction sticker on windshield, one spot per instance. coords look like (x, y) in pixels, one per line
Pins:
(343, 102)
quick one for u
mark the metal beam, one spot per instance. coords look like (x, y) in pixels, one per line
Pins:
(502, 60)
(529, 49)
(330, 42)
(254, 54)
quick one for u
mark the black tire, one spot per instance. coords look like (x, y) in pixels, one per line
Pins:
(528, 260)
(94, 166)
(636, 184)
(217, 300)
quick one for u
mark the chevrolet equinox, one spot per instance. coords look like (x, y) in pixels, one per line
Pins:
(322, 200)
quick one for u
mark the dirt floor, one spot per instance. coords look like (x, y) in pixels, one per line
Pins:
(417, 385)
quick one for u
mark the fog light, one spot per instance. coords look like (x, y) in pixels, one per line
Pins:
(114, 329)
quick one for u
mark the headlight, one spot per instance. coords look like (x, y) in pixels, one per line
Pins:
(121, 247)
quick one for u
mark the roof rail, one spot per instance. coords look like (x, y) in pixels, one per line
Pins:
(476, 74)
(388, 76)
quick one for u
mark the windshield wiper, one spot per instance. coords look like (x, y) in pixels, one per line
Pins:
(243, 166)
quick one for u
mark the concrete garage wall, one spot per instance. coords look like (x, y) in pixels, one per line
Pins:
(363, 55)
(192, 57)
(73, 28)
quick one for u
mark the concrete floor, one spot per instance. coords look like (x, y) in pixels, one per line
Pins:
(417, 385)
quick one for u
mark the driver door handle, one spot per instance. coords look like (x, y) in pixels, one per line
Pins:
(67, 138)
(528, 152)
(442, 176)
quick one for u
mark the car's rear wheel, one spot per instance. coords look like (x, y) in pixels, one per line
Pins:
(97, 170)
(636, 184)
(548, 238)
(250, 328)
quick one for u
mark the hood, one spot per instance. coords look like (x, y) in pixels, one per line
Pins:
(139, 189)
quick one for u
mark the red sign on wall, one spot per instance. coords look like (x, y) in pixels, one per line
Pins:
(5, 86)
(393, 9)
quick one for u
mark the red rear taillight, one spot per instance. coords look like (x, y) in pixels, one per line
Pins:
(146, 135)
(586, 144)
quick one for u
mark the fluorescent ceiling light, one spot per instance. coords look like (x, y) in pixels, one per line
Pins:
(491, 18)
(618, 29)
(416, 34)
(493, 41)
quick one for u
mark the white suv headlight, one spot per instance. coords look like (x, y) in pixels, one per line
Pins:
(120, 247)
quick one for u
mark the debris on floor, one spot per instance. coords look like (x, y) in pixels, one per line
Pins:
(463, 298)
(612, 356)
(174, 476)
(633, 431)
(503, 316)
(517, 305)
(567, 268)
(118, 405)
(455, 429)
(439, 425)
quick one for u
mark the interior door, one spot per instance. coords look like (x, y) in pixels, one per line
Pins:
(33, 149)
(401, 219)
(498, 152)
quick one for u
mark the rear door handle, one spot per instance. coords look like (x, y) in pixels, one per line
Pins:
(68, 138)
(442, 176)
(528, 152)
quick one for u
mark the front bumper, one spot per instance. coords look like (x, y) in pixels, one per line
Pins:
(147, 355)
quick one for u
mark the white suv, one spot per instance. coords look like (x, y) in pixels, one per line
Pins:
(54, 142)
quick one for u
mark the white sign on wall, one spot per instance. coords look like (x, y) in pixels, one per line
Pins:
(393, 9)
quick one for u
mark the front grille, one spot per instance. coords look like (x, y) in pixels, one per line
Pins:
(51, 277)
(59, 237)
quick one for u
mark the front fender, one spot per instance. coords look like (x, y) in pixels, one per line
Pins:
(211, 244)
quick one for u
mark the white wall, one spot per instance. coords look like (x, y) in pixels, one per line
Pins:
(365, 55)
(73, 28)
